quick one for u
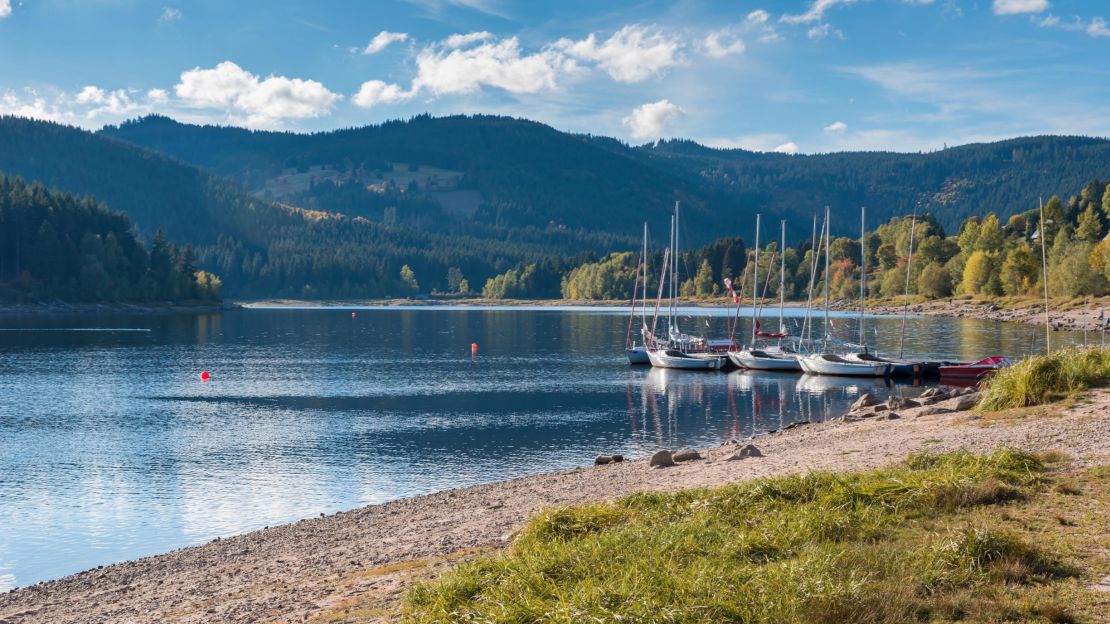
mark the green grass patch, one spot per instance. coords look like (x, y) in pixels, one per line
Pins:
(1044, 378)
(916, 543)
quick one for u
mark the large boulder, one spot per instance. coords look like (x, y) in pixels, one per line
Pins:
(661, 459)
(897, 402)
(867, 400)
(601, 460)
(686, 454)
(933, 410)
(966, 401)
(746, 451)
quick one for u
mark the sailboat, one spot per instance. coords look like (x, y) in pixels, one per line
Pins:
(681, 351)
(898, 367)
(775, 358)
(638, 354)
(827, 362)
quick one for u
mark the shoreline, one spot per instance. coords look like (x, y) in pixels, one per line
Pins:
(316, 568)
(59, 308)
(1064, 315)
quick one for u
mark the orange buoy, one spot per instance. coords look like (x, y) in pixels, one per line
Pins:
(205, 375)
(474, 347)
(354, 314)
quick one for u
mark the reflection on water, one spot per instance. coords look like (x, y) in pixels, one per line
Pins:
(112, 448)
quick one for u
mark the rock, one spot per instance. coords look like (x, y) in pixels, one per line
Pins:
(793, 425)
(618, 459)
(881, 407)
(897, 402)
(746, 451)
(966, 402)
(601, 460)
(867, 400)
(892, 416)
(661, 459)
(933, 410)
(686, 454)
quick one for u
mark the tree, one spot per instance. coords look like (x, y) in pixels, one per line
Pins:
(934, 281)
(1018, 274)
(969, 235)
(1106, 202)
(454, 280)
(978, 273)
(990, 235)
(1090, 225)
(1054, 219)
(703, 280)
(408, 280)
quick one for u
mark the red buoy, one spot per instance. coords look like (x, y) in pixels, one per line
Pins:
(354, 314)
(205, 375)
(474, 347)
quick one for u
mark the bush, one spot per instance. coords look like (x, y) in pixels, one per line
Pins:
(1042, 378)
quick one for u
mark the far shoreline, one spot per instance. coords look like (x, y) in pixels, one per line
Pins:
(61, 308)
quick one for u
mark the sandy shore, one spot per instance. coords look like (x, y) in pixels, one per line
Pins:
(1076, 319)
(317, 569)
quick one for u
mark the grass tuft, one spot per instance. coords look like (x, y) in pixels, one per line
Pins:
(1044, 378)
(821, 547)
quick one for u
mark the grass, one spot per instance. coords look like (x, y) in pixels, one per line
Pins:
(1044, 378)
(924, 541)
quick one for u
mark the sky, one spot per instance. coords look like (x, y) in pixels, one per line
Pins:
(796, 76)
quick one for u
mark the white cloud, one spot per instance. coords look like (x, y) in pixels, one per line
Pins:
(722, 43)
(789, 147)
(382, 40)
(265, 102)
(170, 14)
(821, 31)
(461, 41)
(836, 126)
(758, 16)
(158, 96)
(632, 54)
(1096, 27)
(374, 92)
(115, 103)
(1013, 7)
(647, 121)
(5, 8)
(497, 64)
(816, 11)
(31, 105)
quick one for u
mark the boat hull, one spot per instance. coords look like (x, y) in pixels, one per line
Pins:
(824, 364)
(898, 368)
(638, 356)
(663, 359)
(755, 361)
(978, 370)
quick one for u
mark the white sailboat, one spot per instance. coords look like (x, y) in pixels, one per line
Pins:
(827, 362)
(773, 358)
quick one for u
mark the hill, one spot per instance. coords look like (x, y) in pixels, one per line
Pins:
(57, 246)
(525, 174)
(266, 248)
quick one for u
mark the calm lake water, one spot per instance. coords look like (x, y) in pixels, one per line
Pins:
(112, 448)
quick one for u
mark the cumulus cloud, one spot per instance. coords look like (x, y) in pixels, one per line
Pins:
(1097, 28)
(1013, 7)
(789, 147)
(264, 101)
(158, 96)
(5, 8)
(647, 121)
(722, 43)
(382, 41)
(374, 92)
(170, 14)
(758, 21)
(758, 16)
(822, 31)
(836, 126)
(632, 54)
(100, 102)
(816, 11)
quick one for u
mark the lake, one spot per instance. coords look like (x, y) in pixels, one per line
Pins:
(112, 448)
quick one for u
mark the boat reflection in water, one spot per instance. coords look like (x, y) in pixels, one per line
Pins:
(684, 407)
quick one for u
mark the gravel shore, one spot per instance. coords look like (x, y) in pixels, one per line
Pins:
(314, 569)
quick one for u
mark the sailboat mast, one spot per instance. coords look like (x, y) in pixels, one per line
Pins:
(782, 276)
(670, 285)
(862, 271)
(1044, 268)
(755, 277)
(906, 294)
(643, 302)
(674, 273)
(806, 330)
(827, 254)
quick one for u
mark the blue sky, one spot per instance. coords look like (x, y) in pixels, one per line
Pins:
(788, 75)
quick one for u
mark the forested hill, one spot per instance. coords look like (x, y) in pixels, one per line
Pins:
(263, 248)
(1004, 177)
(57, 246)
(525, 174)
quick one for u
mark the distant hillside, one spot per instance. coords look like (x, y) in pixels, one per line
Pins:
(264, 248)
(526, 174)
(57, 246)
